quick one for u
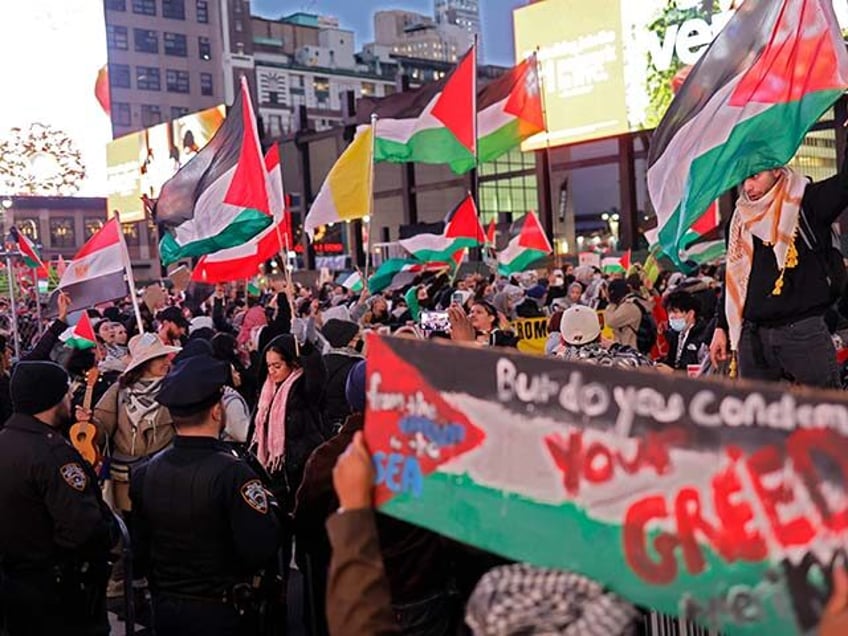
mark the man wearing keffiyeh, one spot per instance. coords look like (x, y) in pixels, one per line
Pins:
(778, 282)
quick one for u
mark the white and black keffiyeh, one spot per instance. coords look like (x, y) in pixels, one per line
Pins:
(521, 599)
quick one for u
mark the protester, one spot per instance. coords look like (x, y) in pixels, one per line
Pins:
(580, 331)
(622, 314)
(687, 334)
(777, 291)
(201, 555)
(57, 531)
(346, 342)
(173, 326)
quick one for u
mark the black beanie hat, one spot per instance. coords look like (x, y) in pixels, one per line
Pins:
(339, 333)
(37, 386)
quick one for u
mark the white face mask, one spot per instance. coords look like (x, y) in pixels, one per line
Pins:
(677, 324)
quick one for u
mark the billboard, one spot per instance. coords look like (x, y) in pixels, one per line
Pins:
(139, 164)
(610, 66)
(54, 123)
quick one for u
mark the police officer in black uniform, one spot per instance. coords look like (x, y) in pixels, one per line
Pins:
(56, 532)
(204, 522)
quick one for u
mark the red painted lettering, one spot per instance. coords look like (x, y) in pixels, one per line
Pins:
(800, 447)
(635, 540)
(738, 541)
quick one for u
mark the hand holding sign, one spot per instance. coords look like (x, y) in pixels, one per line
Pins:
(835, 619)
(353, 476)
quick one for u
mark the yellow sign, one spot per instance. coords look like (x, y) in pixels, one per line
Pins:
(532, 334)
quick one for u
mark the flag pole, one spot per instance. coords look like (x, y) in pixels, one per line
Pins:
(548, 166)
(38, 299)
(475, 174)
(125, 255)
(10, 277)
(370, 241)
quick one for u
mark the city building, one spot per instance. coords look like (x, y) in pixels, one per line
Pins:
(168, 58)
(462, 13)
(415, 35)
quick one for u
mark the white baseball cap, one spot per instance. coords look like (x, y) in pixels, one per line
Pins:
(580, 325)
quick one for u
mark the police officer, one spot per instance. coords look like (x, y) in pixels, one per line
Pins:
(204, 523)
(56, 531)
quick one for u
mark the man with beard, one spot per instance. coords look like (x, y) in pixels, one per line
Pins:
(172, 326)
(204, 525)
(57, 531)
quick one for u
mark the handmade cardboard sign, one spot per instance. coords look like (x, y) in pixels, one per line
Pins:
(723, 503)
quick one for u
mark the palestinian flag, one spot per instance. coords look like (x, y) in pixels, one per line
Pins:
(509, 110)
(243, 261)
(530, 245)
(219, 199)
(462, 229)
(30, 257)
(82, 336)
(704, 252)
(97, 272)
(616, 264)
(745, 107)
(351, 281)
(432, 124)
(400, 272)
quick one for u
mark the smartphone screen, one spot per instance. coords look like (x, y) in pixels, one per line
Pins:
(434, 321)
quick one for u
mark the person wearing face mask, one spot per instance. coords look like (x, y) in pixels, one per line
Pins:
(687, 333)
(205, 524)
(57, 531)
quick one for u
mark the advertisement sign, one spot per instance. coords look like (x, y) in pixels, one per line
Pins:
(139, 164)
(54, 123)
(721, 502)
(610, 66)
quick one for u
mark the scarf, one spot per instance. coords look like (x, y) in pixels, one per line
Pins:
(270, 435)
(774, 220)
(255, 317)
(141, 405)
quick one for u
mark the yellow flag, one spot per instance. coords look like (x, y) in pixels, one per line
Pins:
(346, 192)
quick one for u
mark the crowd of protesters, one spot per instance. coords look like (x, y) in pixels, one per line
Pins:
(277, 380)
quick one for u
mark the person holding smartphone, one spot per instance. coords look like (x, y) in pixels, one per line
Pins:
(482, 326)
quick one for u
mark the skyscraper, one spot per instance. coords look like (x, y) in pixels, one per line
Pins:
(462, 13)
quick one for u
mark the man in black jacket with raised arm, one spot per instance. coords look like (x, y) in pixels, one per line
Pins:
(779, 280)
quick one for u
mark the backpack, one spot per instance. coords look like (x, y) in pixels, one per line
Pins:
(646, 335)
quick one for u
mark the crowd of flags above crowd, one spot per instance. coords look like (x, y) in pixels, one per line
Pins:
(735, 114)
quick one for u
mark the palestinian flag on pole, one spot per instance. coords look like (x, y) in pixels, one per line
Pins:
(704, 252)
(352, 281)
(28, 253)
(219, 199)
(462, 229)
(616, 264)
(432, 124)
(243, 261)
(82, 336)
(97, 273)
(509, 110)
(745, 107)
(399, 272)
(530, 245)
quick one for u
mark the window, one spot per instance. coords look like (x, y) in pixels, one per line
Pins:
(321, 84)
(151, 115)
(131, 235)
(29, 228)
(121, 115)
(202, 11)
(174, 9)
(204, 48)
(239, 26)
(178, 111)
(62, 232)
(116, 5)
(119, 75)
(175, 44)
(116, 37)
(275, 125)
(274, 97)
(206, 84)
(92, 226)
(369, 89)
(144, 7)
(176, 81)
(146, 41)
(147, 78)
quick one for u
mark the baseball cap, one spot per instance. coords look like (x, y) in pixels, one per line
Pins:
(580, 325)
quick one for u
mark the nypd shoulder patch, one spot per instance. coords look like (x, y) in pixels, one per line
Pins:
(74, 476)
(254, 495)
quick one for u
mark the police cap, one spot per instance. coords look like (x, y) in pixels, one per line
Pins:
(193, 385)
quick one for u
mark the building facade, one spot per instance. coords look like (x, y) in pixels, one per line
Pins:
(462, 13)
(168, 58)
(410, 34)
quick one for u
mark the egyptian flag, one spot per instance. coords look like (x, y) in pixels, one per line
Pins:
(243, 261)
(219, 199)
(462, 229)
(745, 107)
(97, 272)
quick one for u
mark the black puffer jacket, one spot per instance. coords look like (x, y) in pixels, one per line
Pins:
(338, 363)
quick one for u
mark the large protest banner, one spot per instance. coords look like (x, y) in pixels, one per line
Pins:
(722, 503)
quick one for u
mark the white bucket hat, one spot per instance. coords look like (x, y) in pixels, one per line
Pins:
(147, 346)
